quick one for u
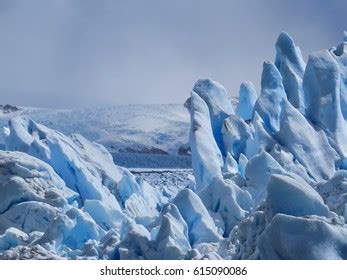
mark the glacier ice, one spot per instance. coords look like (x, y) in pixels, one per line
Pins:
(258, 171)
(67, 156)
(88, 169)
(62, 197)
(311, 237)
(19, 172)
(36, 252)
(290, 152)
(12, 237)
(228, 200)
(207, 159)
(219, 105)
(261, 138)
(32, 194)
(172, 240)
(269, 103)
(291, 65)
(282, 190)
(230, 166)
(247, 99)
(324, 84)
(201, 227)
(235, 132)
(79, 193)
(334, 192)
(292, 129)
(243, 239)
(270, 179)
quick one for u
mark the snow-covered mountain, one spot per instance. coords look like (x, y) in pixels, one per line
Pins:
(152, 129)
(270, 178)
(8, 109)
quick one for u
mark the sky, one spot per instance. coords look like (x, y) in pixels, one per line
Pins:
(87, 53)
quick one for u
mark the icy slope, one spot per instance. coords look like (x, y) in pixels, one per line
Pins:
(76, 196)
(88, 169)
(129, 128)
(63, 197)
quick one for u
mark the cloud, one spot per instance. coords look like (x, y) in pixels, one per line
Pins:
(83, 53)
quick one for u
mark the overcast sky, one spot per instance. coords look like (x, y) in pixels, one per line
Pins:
(83, 53)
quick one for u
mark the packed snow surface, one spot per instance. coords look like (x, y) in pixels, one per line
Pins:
(269, 178)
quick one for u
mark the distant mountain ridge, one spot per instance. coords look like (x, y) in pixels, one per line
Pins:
(149, 129)
(6, 109)
(139, 129)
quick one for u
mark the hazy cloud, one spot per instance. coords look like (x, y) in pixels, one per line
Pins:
(78, 53)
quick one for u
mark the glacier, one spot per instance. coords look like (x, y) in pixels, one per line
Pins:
(270, 177)
(284, 151)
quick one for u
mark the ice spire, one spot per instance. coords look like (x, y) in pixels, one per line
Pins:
(291, 65)
(247, 99)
